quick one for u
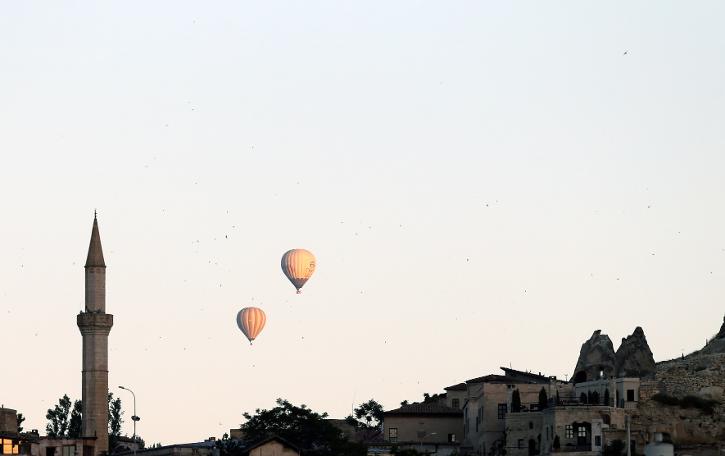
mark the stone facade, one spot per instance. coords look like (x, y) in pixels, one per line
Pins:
(578, 428)
(422, 426)
(8, 421)
(488, 402)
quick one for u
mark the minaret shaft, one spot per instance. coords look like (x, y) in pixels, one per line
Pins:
(95, 325)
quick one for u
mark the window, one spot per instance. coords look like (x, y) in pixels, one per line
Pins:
(581, 431)
(8, 447)
(569, 431)
(502, 409)
(630, 395)
(451, 438)
(69, 450)
(598, 440)
(393, 434)
(520, 444)
(456, 403)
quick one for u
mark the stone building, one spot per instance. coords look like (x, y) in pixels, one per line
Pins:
(488, 402)
(270, 446)
(616, 392)
(568, 428)
(426, 427)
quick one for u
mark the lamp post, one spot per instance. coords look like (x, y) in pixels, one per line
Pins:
(134, 418)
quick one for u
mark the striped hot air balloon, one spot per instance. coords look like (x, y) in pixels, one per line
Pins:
(251, 320)
(298, 265)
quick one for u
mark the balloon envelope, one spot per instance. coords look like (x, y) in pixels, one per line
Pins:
(298, 265)
(251, 320)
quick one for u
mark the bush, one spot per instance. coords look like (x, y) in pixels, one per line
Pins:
(707, 406)
(615, 448)
(666, 399)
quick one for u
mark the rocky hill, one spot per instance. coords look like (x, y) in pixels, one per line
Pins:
(687, 396)
(634, 357)
(595, 357)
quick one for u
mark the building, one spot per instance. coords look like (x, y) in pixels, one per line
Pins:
(570, 428)
(594, 414)
(431, 428)
(488, 401)
(617, 392)
(269, 446)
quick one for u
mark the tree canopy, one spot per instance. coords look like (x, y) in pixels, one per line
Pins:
(368, 415)
(516, 401)
(309, 430)
(57, 426)
(543, 399)
(64, 422)
(20, 418)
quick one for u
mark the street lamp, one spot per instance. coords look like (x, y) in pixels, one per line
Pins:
(134, 418)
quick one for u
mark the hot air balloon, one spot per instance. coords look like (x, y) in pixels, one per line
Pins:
(251, 321)
(298, 265)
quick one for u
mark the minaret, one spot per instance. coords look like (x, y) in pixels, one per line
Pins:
(95, 325)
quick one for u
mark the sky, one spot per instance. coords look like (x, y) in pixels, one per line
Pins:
(483, 184)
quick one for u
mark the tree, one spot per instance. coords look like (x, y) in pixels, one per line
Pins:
(369, 415)
(595, 398)
(404, 403)
(114, 415)
(558, 400)
(516, 401)
(114, 420)
(557, 442)
(66, 423)
(20, 418)
(301, 426)
(543, 399)
(76, 420)
(606, 397)
(583, 398)
(57, 426)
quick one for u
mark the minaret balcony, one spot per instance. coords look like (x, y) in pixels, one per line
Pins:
(92, 322)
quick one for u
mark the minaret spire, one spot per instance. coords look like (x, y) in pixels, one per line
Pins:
(95, 250)
(95, 325)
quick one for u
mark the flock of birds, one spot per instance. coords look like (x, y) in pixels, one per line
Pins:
(298, 265)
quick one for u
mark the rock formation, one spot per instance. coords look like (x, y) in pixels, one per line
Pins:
(634, 357)
(717, 344)
(596, 357)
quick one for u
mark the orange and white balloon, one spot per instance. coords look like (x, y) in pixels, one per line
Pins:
(251, 321)
(298, 265)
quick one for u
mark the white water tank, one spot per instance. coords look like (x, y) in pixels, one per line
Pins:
(659, 448)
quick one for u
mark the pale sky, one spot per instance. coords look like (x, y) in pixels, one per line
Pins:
(483, 184)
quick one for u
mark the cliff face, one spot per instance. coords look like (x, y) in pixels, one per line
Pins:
(717, 344)
(700, 375)
(596, 356)
(634, 357)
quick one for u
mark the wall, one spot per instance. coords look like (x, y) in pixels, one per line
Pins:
(523, 427)
(273, 449)
(423, 429)
(8, 420)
